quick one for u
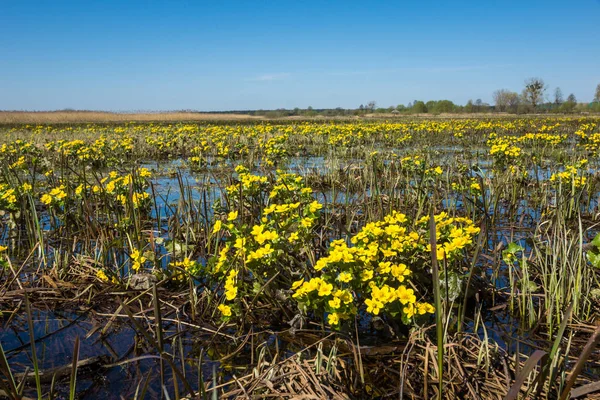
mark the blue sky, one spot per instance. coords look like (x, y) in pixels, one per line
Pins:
(227, 55)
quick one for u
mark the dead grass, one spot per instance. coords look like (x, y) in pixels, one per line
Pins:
(54, 117)
(57, 117)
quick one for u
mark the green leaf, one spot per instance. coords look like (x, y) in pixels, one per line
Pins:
(453, 287)
(529, 286)
(596, 241)
(513, 248)
(593, 258)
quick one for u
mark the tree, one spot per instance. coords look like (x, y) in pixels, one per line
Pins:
(570, 104)
(431, 105)
(419, 107)
(558, 96)
(533, 93)
(513, 102)
(444, 106)
(597, 94)
(469, 106)
(371, 106)
(478, 102)
(505, 100)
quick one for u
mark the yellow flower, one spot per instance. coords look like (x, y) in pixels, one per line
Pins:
(225, 310)
(110, 187)
(333, 319)
(405, 296)
(217, 227)
(314, 206)
(144, 173)
(293, 237)
(384, 267)
(400, 271)
(373, 306)
(306, 222)
(295, 285)
(261, 252)
(138, 260)
(325, 289)
(232, 216)
(321, 263)
(231, 293)
(101, 275)
(366, 275)
(264, 236)
(335, 303)
(46, 199)
(425, 308)
(345, 277)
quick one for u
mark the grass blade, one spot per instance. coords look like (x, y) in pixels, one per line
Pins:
(73, 383)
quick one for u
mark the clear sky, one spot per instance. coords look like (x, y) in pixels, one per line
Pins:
(227, 55)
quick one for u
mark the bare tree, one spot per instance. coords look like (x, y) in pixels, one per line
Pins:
(533, 93)
(558, 96)
(499, 97)
(513, 101)
(505, 99)
(597, 94)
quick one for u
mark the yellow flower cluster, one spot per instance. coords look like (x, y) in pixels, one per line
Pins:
(55, 196)
(258, 243)
(472, 186)
(186, 267)
(545, 138)
(248, 183)
(376, 268)
(274, 149)
(100, 274)
(126, 189)
(503, 149)
(137, 260)
(453, 234)
(230, 286)
(101, 151)
(572, 176)
(8, 198)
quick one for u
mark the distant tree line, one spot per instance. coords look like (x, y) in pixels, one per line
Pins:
(534, 98)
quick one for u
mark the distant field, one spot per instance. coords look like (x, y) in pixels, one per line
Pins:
(31, 117)
(55, 117)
